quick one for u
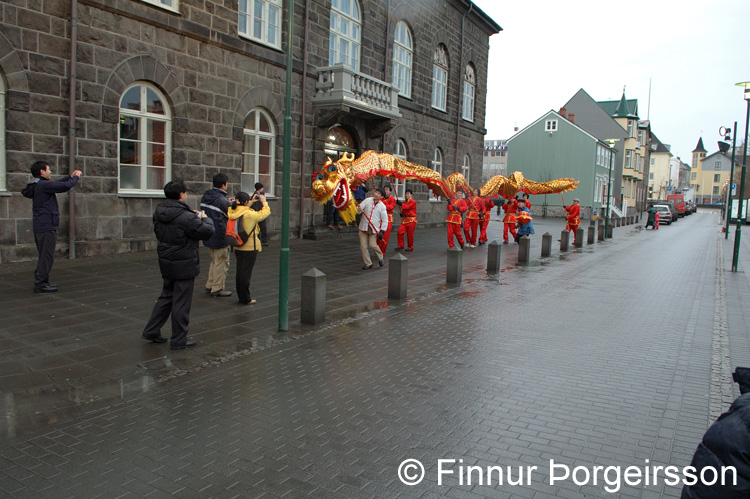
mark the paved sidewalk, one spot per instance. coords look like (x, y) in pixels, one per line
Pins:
(602, 356)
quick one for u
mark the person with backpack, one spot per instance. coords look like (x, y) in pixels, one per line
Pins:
(178, 229)
(215, 204)
(243, 224)
(46, 211)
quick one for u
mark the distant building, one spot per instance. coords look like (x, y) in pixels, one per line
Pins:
(659, 172)
(495, 161)
(711, 175)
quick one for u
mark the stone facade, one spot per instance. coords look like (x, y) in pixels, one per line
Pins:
(211, 77)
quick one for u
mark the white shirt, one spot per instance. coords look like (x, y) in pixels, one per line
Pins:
(377, 214)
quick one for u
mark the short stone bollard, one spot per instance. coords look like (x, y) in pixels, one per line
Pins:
(546, 244)
(455, 266)
(398, 273)
(523, 249)
(591, 234)
(313, 298)
(578, 242)
(609, 231)
(564, 240)
(600, 232)
(592, 223)
(493, 257)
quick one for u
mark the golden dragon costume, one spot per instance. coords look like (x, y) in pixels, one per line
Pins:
(334, 182)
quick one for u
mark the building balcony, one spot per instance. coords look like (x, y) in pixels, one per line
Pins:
(341, 91)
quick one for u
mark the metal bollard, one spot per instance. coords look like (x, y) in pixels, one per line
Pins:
(398, 272)
(313, 299)
(455, 266)
(493, 257)
(578, 241)
(564, 240)
(523, 249)
(546, 244)
(591, 234)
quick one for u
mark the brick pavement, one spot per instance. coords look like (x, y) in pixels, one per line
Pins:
(584, 362)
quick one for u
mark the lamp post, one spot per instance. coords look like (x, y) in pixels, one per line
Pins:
(609, 181)
(738, 232)
(286, 181)
(723, 146)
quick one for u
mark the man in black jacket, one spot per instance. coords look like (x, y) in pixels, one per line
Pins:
(178, 229)
(46, 219)
(215, 204)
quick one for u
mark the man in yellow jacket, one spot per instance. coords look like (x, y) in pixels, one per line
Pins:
(248, 252)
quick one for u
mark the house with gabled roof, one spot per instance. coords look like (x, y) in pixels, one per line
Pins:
(660, 174)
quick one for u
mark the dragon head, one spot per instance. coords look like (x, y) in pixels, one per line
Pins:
(330, 183)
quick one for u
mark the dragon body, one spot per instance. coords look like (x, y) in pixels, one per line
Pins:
(335, 180)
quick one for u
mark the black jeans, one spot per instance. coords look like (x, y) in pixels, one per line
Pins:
(176, 299)
(245, 264)
(45, 245)
(332, 217)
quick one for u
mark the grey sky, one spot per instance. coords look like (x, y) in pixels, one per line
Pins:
(693, 51)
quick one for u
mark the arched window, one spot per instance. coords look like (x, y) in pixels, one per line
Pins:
(466, 168)
(145, 144)
(470, 86)
(3, 168)
(402, 59)
(259, 152)
(440, 78)
(399, 150)
(261, 21)
(437, 165)
(345, 33)
(339, 141)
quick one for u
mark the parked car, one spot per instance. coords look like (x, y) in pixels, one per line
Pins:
(665, 214)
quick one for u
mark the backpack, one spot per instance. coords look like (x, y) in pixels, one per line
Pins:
(236, 235)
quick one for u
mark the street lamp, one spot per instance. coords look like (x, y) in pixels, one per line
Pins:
(737, 233)
(609, 181)
(723, 146)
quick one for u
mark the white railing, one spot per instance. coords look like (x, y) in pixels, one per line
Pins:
(615, 209)
(340, 85)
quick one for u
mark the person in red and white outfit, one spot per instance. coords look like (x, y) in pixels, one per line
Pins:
(456, 207)
(372, 227)
(408, 221)
(390, 204)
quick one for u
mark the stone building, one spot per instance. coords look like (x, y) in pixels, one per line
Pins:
(186, 88)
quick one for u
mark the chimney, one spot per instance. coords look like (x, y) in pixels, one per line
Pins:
(572, 117)
(563, 112)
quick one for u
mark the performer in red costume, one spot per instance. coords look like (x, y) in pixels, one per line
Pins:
(408, 221)
(511, 207)
(390, 203)
(525, 195)
(456, 206)
(573, 221)
(474, 213)
(489, 203)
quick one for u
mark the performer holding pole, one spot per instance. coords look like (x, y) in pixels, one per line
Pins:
(408, 221)
(390, 203)
(511, 207)
(573, 211)
(456, 207)
(474, 213)
(489, 203)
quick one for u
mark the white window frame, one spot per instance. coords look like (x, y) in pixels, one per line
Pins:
(399, 186)
(466, 168)
(630, 129)
(3, 164)
(440, 79)
(469, 94)
(144, 117)
(628, 158)
(170, 5)
(403, 55)
(717, 165)
(249, 178)
(345, 31)
(268, 21)
(550, 126)
(437, 165)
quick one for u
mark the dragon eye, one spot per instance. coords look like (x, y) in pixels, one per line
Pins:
(319, 176)
(332, 168)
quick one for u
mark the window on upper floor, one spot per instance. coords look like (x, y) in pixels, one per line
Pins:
(470, 88)
(640, 137)
(717, 165)
(260, 20)
(716, 190)
(628, 159)
(145, 142)
(259, 152)
(165, 4)
(694, 176)
(652, 162)
(466, 168)
(550, 126)
(403, 53)
(717, 177)
(437, 165)
(651, 176)
(3, 167)
(440, 78)
(399, 150)
(630, 128)
(345, 34)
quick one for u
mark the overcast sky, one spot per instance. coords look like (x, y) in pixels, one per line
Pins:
(692, 51)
